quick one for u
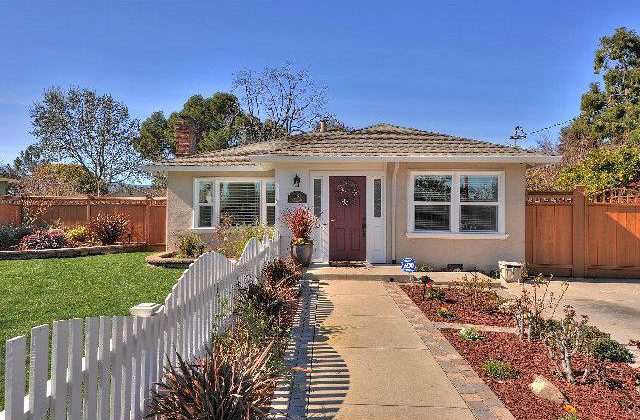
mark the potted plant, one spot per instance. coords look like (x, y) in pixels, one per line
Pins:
(301, 221)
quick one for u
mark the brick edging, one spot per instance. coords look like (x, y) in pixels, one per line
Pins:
(480, 399)
(290, 396)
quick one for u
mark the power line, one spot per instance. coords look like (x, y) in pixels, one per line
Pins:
(551, 126)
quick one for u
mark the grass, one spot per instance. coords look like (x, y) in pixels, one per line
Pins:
(36, 292)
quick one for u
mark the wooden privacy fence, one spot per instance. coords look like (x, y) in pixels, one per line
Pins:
(146, 215)
(581, 235)
(105, 367)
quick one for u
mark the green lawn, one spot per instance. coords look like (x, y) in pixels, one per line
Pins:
(36, 292)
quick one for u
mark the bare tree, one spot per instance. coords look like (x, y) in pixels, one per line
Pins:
(94, 131)
(279, 101)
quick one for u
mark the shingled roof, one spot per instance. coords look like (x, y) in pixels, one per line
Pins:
(380, 142)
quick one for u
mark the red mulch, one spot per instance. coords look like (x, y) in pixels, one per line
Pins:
(457, 303)
(593, 401)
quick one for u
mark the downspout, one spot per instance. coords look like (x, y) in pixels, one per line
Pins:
(394, 194)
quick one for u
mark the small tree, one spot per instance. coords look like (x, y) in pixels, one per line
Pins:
(94, 131)
(279, 101)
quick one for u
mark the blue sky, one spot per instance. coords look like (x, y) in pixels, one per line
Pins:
(470, 68)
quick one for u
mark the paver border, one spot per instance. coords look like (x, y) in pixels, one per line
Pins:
(290, 396)
(481, 400)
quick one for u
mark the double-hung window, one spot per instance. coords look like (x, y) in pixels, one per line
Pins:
(243, 202)
(456, 202)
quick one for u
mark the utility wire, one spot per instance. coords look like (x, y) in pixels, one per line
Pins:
(551, 126)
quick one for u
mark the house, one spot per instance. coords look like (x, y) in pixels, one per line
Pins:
(382, 193)
(4, 184)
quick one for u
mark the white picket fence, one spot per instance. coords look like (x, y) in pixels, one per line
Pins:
(104, 367)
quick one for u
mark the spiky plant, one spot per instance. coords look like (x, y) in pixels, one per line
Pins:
(219, 386)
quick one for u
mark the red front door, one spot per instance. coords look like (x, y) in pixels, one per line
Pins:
(347, 218)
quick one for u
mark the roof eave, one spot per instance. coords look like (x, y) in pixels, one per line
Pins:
(533, 159)
(207, 168)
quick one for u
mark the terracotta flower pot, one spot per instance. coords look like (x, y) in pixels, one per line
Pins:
(302, 253)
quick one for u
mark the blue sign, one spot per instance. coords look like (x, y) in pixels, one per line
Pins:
(408, 265)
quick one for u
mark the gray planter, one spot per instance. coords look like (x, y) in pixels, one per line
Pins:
(302, 253)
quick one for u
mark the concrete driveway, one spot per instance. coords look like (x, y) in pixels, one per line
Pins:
(613, 305)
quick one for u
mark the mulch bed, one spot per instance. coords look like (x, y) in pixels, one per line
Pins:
(593, 401)
(457, 303)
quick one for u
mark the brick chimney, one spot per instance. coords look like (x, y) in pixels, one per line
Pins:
(323, 126)
(186, 137)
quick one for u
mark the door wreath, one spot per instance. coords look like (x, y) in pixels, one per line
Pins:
(347, 192)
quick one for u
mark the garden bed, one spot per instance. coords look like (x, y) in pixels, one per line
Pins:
(593, 400)
(458, 304)
(168, 260)
(81, 251)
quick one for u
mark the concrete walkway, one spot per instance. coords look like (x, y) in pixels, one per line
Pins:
(368, 362)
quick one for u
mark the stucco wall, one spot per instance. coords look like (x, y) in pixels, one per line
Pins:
(180, 201)
(481, 253)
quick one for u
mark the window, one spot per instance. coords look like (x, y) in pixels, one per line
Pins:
(432, 202)
(478, 203)
(270, 202)
(377, 197)
(240, 201)
(456, 202)
(245, 202)
(317, 197)
(204, 210)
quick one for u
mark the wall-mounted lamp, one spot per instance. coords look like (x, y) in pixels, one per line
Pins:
(296, 181)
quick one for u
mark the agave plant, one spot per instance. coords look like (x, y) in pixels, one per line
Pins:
(219, 386)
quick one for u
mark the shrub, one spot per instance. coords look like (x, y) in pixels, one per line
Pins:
(109, 228)
(424, 268)
(445, 313)
(610, 350)
(43, 239)
(301, 222)
(231, 240)
(77, 234)
(190, 245)
(10, 236)
(218, 386)
(430, 292)
(500, 370)
(471, 334)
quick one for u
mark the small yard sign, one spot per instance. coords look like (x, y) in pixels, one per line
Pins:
(408, 265)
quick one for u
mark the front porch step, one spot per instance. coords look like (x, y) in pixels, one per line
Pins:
(370, 272)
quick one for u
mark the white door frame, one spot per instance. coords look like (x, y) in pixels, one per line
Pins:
(376, 234)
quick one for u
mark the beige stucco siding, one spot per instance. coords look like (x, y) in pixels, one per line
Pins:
(180, 201)
(481, 253)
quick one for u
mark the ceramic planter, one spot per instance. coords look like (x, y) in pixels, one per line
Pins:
(302, 253)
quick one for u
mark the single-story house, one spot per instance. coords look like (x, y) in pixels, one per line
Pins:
(4, 184)
(382, 192)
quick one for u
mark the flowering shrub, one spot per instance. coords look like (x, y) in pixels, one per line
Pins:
(77, 234)
(445, 313)
(109, 228)
(43, 239)
(301, 222)
(471, 334)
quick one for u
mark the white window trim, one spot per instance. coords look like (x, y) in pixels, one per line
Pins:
(454, 215)
(216, 198)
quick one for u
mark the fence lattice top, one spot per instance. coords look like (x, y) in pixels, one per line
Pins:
(617, 196)
(549, 197)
